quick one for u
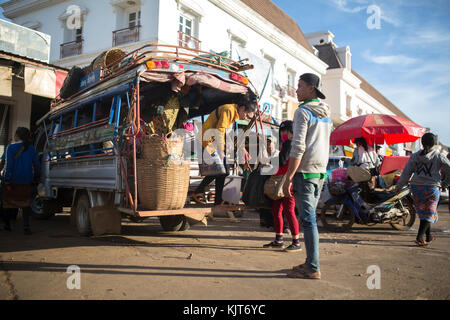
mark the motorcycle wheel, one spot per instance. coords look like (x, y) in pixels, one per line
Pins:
(337, 216)
(405, 222)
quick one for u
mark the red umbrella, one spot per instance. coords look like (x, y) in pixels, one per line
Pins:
(377, 129)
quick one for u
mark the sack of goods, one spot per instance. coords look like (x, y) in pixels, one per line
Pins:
(162, 173)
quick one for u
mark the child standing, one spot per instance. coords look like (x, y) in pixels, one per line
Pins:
(426, 166)
(285, 205)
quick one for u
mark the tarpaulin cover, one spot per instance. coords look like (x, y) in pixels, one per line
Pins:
(180, 79)
(60, 77)
(43, 82)
(6, 81)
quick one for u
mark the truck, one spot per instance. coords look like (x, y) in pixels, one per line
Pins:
(88, 142)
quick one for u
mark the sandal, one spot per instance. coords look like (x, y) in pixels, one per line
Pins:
(199, 198)
(421, 243)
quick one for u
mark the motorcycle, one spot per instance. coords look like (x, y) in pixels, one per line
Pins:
(358, 203)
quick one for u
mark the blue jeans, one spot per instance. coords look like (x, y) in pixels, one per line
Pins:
(307, 194)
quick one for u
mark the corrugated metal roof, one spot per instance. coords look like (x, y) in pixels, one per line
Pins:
(20, 59)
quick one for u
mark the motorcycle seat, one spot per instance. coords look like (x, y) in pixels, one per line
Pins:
(382, 195)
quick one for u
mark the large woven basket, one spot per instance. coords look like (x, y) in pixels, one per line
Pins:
(106, 59)
(163, 175)
(163, 185)
(156, 148)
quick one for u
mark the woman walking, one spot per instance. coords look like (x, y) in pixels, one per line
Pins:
(285, 205)
(426, 166)
(22, 167)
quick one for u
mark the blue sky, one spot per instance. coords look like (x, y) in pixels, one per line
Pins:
(407, 59)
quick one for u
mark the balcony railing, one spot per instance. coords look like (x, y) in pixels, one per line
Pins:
(126, 35)
(72, 48)
(188, 41)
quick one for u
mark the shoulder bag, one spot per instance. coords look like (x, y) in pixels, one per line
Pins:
(273, 188)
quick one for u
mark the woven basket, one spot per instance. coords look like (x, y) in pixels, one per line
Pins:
(105, 59)
(163, 185)
(156, 148)
(163, 175)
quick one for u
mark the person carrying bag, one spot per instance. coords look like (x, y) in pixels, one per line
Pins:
(22, 167)
(283, 204)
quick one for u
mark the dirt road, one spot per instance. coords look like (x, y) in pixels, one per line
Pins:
(222, 261)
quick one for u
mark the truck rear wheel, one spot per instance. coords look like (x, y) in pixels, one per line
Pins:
(44, 209)
(174, 223)
(82, 219)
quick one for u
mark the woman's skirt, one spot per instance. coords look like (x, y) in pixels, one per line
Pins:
(426, 200)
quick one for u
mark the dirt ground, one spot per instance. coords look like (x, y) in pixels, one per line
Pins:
(224, 261)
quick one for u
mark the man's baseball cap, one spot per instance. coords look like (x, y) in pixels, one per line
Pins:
(313, 80)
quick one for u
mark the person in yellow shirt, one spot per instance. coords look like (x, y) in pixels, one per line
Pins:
(222, 119)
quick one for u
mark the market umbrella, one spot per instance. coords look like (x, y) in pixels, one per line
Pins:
(377, 129)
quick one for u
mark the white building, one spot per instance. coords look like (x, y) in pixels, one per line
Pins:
(349, 94)
(257, 29)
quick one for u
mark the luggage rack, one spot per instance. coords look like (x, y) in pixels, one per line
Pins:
(168, 52)
(181, 54)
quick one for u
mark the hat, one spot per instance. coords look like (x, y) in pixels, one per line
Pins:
(313, 80)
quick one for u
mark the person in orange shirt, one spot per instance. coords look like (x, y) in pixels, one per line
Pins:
(222, 119)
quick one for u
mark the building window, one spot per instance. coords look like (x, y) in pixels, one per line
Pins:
(285, 112)
(73, 44)
(349, 106)
(73, 33)
(291, 90)
(79, 35)
(271, 79)
(130, 33)
(188, 32)
(186, 25)
(134, 19)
